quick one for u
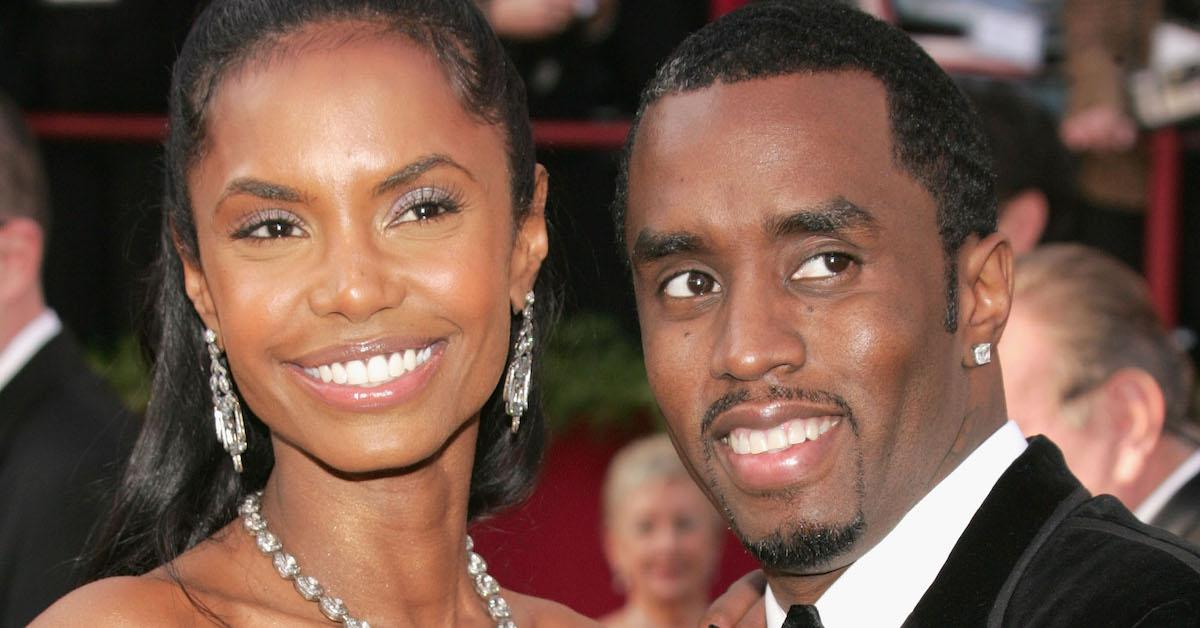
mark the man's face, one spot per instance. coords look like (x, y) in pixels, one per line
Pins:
(791, 288)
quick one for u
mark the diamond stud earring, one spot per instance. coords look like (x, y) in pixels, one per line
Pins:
(982, 353)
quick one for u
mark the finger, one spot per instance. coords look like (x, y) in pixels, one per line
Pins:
(736, 602)
(756, 617)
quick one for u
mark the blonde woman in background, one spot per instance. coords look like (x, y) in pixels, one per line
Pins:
(662, 537)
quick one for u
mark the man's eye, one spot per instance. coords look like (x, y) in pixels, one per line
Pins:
(690, 284)
(823, 266)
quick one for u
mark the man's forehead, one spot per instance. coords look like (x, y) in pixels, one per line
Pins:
(730, 108)
(767, 145)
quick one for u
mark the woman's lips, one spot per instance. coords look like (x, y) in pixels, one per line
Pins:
(372, 382)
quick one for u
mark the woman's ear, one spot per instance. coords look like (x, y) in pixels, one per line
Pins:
(987, 282)
(196, 286)
(532, 243)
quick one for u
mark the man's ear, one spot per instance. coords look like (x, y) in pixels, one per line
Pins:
(987, 281)
(1023, 219)
(196, 286)
(22, 246)
(1136, 412)
(532, 243)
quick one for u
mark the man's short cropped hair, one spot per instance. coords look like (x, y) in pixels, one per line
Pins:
(22, 180)
(937, 138)
(1098, 312)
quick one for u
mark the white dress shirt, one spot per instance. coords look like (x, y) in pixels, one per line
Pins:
(1152, 505)
(883, 586)
(26, 344)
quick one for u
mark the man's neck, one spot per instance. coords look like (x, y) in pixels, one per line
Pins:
(15, 315)
(1169, 452)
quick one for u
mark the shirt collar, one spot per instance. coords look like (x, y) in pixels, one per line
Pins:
(921, 542)
(26, 344)
(1154, 503)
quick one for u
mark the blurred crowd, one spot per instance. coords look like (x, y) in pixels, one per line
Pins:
(1086, 358)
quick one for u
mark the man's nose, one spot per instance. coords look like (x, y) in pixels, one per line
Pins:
(355, 278)
(758, 333)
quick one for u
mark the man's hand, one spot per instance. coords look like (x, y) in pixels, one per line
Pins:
(741, 606)
(1101, 128)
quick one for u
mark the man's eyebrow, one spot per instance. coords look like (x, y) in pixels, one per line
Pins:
(412, 171)
(650, 246)
(832, 216)
(262, 189)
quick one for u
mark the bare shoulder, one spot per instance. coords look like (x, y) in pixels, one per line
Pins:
(123, 601)
(544, 613)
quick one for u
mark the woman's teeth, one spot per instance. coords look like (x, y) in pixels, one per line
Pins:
(746, 441)
(376, 370)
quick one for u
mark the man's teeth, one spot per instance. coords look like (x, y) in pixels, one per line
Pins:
(376, 370)
(747, 441)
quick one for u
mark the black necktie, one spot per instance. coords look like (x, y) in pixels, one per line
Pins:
(803, 616)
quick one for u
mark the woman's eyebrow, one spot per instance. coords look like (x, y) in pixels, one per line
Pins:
(261, 189)
(417, 168)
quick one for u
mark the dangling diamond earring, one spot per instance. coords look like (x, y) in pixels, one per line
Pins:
(227, 412)
(983, 353)
(516, 382)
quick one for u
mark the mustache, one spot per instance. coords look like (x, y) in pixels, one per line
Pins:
(734, 398)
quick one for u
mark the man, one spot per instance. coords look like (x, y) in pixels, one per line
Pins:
(1034, 176)
(61, 431)
(809, 216)
(1088, 364)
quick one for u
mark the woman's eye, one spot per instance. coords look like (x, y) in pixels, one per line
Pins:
(421, 212)
(270, 225)
(424, 204)
(823, 266)
(690, 284)
(273, 229)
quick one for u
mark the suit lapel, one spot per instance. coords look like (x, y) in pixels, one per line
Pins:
(34, 381)
(1024, 507)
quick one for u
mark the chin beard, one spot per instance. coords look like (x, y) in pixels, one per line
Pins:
(803, 547)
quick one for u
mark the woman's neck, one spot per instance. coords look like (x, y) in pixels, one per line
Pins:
(646, 611)
(392, 547)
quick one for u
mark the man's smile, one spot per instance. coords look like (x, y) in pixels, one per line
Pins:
(778, 443)
(747, 441)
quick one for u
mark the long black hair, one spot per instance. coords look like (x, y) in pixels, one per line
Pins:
(180, 486)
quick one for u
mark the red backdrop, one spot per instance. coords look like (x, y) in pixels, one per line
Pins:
(550, 546)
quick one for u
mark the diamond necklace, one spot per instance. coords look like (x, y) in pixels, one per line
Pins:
(333, 608)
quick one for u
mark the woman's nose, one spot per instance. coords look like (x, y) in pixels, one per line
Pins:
(355, 279)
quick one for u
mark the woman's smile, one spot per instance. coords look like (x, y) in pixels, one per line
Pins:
(370, 376)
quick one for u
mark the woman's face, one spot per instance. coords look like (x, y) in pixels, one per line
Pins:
(664, 541)
(357, 250)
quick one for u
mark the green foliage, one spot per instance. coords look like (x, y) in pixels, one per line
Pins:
(123, 368)
(593, 373)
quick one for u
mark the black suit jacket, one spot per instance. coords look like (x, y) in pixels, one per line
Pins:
(63, 435)
(1041, 551)
(1181, 514)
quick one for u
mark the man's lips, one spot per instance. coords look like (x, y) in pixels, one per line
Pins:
(769, 414)
(778, 443)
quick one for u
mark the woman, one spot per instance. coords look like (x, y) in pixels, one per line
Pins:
(353, 222)
(661, 535)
